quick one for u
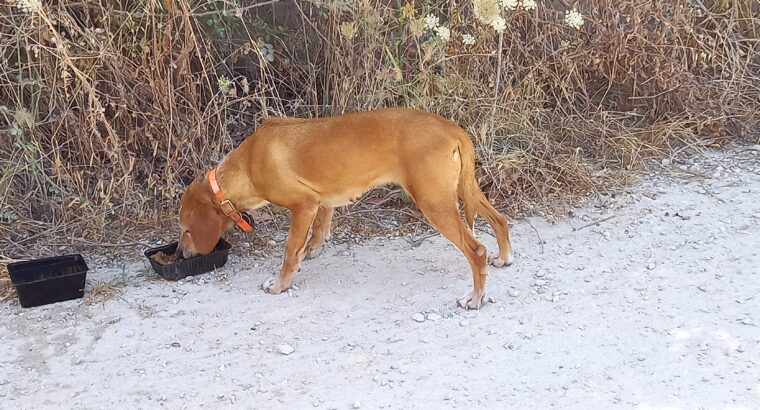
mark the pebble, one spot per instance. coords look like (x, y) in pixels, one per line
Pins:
(540, 274)
(433, 317)
(665, 162)
(418, 317)
(285, 349)
(651, 266)
(175, 344)
(356, 405)
(175, 301)
(740, 349)
(513, 293)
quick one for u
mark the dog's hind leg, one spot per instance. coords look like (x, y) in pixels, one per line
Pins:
(440, 208)
(320, 231)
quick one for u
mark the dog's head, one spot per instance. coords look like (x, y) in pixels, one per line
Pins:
(201, 220)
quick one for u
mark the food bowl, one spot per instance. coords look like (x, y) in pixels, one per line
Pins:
(176, 269)
(48, 280)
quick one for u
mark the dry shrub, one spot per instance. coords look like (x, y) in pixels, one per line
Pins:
(110, 109)
(7, 291)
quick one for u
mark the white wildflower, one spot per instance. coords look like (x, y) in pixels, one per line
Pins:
(529, 4)
(443, 33)
(574, 19)
(468, 39)
(509, 4)
(488, 12)
(499, 24)
(431, 22)
(28, 6)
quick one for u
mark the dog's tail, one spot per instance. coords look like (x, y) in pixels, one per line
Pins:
(475, 201)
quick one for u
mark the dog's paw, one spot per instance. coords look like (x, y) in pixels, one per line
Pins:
(272, 285)
(472, 301)
(312, 251)
(499, 262)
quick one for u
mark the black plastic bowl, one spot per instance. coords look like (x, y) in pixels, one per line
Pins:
(189, 267)
(49, 280)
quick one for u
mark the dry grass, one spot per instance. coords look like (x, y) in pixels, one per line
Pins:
(110, 109)
(100, 292)
(7, 292)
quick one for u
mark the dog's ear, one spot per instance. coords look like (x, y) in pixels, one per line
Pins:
(206, 231)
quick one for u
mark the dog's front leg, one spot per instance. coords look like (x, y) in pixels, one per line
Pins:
(300, 220)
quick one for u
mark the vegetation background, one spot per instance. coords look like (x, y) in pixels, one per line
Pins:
(108, 109)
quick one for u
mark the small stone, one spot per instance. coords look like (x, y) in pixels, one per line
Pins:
(271, 243)
(540, 274)
(513, 293)
(175, 344)
(433, 317)
(418, 317)
(747, 321)
(651, 266)
(665, 162)
(175, 301)
(285, 349)
(356, 405)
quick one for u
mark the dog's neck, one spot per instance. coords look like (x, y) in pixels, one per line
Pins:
(240, 191)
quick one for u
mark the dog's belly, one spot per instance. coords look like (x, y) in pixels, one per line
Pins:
(349, 195)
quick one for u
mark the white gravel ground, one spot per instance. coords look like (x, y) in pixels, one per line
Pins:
(657, 306)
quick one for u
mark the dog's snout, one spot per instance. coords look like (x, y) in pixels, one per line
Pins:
(184, 252)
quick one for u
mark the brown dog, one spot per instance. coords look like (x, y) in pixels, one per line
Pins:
(311, 166)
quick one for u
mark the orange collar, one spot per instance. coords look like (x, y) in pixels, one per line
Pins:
(226, 205)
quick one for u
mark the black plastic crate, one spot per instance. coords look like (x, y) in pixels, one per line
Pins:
(189, 267)
(49, 280)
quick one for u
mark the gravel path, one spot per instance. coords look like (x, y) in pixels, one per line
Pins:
(657, 305)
